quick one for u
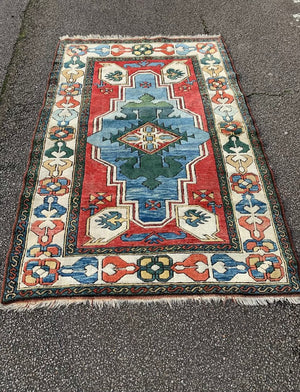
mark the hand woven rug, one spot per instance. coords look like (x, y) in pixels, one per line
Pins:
(147, 180)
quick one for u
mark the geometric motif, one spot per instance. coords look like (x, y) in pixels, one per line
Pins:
(149, 138)
(147, 178)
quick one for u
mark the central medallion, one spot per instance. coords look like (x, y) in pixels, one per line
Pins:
(149, 138)
(152, 142)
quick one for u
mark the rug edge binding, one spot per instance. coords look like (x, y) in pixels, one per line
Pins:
(99, 303)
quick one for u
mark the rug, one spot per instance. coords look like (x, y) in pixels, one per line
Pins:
(147, 180)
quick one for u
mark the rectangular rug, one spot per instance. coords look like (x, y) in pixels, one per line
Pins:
(147, 180)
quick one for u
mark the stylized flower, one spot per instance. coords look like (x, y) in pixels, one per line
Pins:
(210, 60)
(195, 218)
(206, 48)
(116, 76)
(155, 268)
(174, 73)
(70, 89)
(142, 49)
(61, 133)
(242, 183)
(262, 246)
(77, 50)
(37, 271)
(112, 220)
(56, 186)
(51, 250)
(221, 97)
(67, 102)
(267, 267)
(231, 128)
(217, 83)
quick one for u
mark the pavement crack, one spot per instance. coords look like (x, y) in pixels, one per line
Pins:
(206, 31)
(21, 36)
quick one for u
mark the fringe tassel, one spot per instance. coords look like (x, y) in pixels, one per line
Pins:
(95, 36)
(115, 303)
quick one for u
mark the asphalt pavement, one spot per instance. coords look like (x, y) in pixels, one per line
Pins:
(189, 346)
(11, 15)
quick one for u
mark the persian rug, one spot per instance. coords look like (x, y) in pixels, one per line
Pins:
(147, 180)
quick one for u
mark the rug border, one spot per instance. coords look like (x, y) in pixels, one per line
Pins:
(293, 248)
(6, 264)
(243, 299)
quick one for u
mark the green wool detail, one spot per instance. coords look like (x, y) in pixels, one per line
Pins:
(151, 167)
(234, 145)
(147, 109)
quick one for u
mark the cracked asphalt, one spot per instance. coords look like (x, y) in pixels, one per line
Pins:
(189, 346)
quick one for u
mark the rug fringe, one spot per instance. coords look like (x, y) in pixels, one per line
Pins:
(101, 302)
(116, 36)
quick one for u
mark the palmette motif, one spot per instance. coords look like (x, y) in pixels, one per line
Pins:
(151, 180)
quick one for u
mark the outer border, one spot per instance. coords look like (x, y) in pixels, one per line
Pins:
(293, 262)
(288, 230)
(6, 264)
(238, 297)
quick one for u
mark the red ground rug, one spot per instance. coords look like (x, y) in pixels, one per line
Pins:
(147, 181)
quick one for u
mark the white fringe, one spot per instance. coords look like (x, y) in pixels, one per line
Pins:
(115, 303)
(95, 36)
